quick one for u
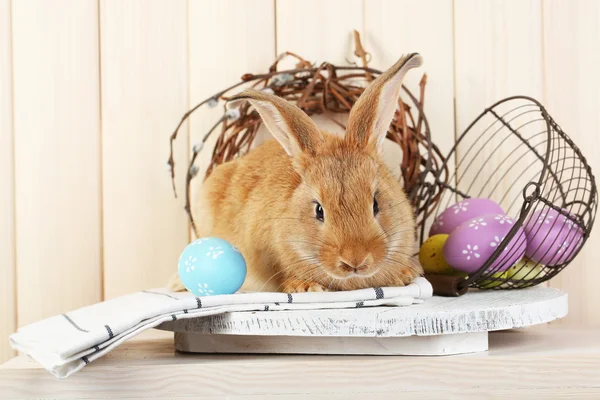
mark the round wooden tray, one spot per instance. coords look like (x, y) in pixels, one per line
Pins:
(441, 325)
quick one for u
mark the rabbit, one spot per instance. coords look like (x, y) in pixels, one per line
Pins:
(312, 211)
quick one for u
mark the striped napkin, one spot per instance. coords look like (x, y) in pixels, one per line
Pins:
(65, 343)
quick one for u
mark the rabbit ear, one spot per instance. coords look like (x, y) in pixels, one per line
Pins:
(294, 130)
(372, 114)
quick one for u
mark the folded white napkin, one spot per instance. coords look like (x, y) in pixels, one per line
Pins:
(66, 343)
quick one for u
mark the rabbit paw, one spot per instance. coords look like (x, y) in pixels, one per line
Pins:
(406, 276)
(297, 286)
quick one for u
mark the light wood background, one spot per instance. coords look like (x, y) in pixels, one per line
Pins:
(559, 363)
(91, 89)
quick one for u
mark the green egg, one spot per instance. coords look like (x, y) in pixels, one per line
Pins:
(524, 269)
(489, 283)
(459, 273)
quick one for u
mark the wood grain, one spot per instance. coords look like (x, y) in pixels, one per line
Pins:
(572, 92)
(248, 46)
(460, 343)
(432, 37)
(497, 54)
(474, 312)
(308, 28)
(57, 158)
(144, 94)
(555, 361)
(145, 63)
(7, 206)
(327, 39)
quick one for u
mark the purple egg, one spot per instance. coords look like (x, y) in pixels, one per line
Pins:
(472, 243)
(462, 211)
(552, 238)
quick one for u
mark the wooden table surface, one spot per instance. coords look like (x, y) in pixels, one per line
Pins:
(542, 362)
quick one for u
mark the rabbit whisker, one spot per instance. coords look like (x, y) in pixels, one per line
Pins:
(287, 268)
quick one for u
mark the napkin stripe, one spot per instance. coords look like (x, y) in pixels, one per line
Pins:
(110, 332)
(290, 298)
(85, 360)
(360, 304)
(378, 293)
(160, 294)
(74, 324)
(199, 302)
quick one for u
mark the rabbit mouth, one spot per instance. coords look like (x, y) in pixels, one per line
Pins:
(353, 273)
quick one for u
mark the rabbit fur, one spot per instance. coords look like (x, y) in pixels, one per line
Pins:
(311, 211)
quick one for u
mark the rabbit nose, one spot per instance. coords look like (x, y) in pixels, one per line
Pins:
(347, 267)
(355, 266)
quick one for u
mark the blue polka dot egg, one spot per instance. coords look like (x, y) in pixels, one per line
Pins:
(211, 266)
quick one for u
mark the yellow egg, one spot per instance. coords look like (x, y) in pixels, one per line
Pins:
(526, 270)
(431, 256)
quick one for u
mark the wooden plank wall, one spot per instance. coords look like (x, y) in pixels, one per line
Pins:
(387, 39)
(571, 32)
(248, 46)
(8, 293)
(56, 109)
(491, 63)
(144, 83)
(91, 90)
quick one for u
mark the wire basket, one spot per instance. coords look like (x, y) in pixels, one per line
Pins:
(515, 154)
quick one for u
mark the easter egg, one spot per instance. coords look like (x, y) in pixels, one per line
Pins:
(472, 243)
(458, 273)
(525, 270)
(463, 211)
(552, 238)
(431, 256)
(496, 280)
(211, 266)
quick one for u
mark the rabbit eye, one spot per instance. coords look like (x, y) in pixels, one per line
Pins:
(375, 207)
(319, 212)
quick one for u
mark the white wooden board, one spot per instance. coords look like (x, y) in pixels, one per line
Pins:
(439, 326)
(477, 311)
(459, 343)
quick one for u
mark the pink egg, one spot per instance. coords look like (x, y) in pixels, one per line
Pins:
(462, 211)
(472, 243)
(552, 238)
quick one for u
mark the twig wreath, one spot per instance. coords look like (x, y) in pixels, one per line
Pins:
(327, 90)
